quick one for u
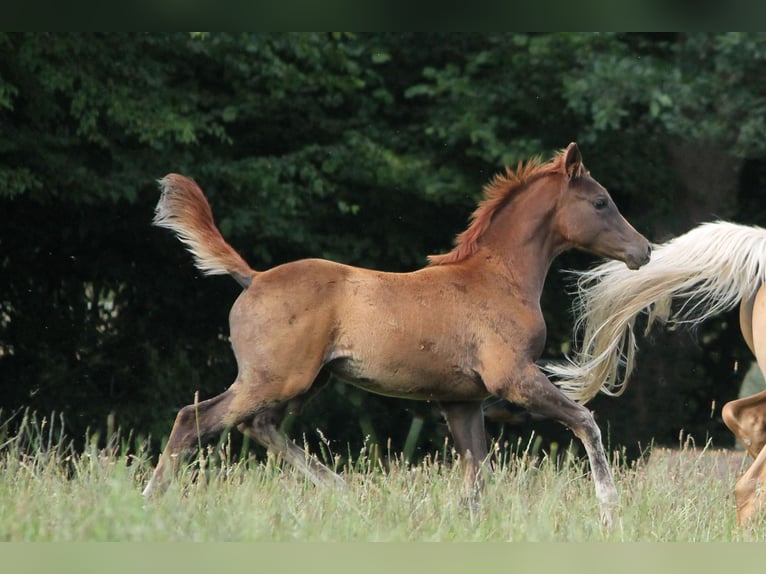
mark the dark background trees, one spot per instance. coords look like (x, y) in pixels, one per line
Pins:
(369, 149)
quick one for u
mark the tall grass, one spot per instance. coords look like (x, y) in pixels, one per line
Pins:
(50, 492)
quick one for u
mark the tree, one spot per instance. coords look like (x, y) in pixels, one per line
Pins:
(368, 149)
(293, 138)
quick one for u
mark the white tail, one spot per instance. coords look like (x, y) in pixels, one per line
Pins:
(706, 271)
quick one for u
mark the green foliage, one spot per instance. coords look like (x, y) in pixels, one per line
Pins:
(694, 87)
(369, 149)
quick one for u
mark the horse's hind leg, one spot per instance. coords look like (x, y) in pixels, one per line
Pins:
(194, 424)
(199, 422)
(466, 424)
(264, 428)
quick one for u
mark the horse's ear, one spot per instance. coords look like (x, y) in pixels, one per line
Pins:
(572, 160)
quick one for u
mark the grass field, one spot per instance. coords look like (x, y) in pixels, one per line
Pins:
(49, 492)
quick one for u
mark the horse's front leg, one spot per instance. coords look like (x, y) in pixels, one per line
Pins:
(749, 492)
(528, 387)
(746, 418)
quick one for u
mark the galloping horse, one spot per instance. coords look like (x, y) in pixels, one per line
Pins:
(710, 269)
(465, 327)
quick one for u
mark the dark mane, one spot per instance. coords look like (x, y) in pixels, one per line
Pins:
(496, 193)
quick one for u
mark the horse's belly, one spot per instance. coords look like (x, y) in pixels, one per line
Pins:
(406, 382)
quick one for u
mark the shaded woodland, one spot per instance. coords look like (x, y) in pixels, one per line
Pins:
(369, 149)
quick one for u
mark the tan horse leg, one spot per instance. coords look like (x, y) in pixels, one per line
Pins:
(241, 402)
(749, 490)
(532, 390)
(194, 424)
(466, 425)
(746, 417)
(264, 428)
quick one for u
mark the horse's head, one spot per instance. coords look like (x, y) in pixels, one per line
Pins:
(587, 218)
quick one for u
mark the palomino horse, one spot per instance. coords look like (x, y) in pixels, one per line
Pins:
(465, 327)
(710, 269)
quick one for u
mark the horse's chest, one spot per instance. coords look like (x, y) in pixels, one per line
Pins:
(520, 332)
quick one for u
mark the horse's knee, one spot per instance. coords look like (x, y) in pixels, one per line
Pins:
(730, 416)
(584, 426)
(747, 421)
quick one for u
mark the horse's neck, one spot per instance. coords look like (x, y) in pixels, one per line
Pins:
(522, 239)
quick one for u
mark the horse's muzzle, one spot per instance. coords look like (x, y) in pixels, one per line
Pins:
(639, 258)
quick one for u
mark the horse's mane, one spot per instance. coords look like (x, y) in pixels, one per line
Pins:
(497, 192)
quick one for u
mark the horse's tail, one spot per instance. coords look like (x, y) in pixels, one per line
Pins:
(183, 209)
(705, 271)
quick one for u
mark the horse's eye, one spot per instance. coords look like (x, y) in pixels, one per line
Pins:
(600, 203)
